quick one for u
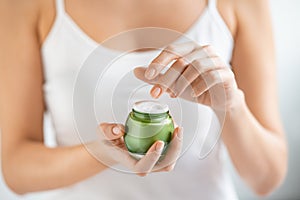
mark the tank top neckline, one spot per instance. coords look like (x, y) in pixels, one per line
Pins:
(93, 42)
(62, 15)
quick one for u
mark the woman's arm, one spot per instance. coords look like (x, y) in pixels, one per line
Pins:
(27, 164)
(253, 132)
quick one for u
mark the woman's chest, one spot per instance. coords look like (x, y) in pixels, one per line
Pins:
(103, 19)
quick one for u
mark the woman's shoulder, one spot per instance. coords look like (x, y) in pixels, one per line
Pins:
(251, 13)
(235, 11)
(248, 2)
(249, 6)
(29, 9)
(227, 11)
(36, 15)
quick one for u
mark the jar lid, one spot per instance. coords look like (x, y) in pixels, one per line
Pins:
(150, 107)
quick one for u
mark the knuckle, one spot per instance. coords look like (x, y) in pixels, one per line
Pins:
(194, 88)
(196, 63)
(188, 77)
(182, 80)
(182, 62)
(171, 48)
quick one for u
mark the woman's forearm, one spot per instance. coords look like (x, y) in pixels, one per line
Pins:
(34, 167)
(258, 154)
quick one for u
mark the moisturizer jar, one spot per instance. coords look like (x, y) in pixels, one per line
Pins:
(148, 122)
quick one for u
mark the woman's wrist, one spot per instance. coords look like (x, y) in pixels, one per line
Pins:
(237, 105)
(237, 115)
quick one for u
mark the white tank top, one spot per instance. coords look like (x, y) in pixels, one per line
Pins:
(65, 50)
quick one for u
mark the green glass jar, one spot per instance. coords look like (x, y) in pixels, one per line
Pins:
(148, 122)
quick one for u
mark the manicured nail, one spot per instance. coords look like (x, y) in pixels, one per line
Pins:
(159, 146)
(179, 134)
(156, 91)
(175, 94)
(150, 73)
(116, 130)
(172, 95)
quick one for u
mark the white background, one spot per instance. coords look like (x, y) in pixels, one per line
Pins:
(286, 18)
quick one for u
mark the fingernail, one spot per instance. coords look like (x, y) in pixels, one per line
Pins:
(160, 146)
(172, 95)
(150, 72)
(156, 91)
(179, 134)
(116, 130)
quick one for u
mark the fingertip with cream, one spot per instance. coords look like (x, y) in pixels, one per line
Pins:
(156, 91)
(116, 130)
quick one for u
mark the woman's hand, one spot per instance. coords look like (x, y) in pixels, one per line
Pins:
(196, 73)
(112, 150)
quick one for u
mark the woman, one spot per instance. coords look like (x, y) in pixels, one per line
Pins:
(41, 39)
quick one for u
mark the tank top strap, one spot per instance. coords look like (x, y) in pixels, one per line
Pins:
(216, 16)
(60, 7)
(212, 5)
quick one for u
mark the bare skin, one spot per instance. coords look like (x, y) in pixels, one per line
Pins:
(253, 131)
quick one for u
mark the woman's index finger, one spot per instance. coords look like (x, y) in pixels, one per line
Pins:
(168, 55)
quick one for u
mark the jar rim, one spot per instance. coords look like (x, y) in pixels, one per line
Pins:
(150, 107)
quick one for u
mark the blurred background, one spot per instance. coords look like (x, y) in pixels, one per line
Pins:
(286, 24)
